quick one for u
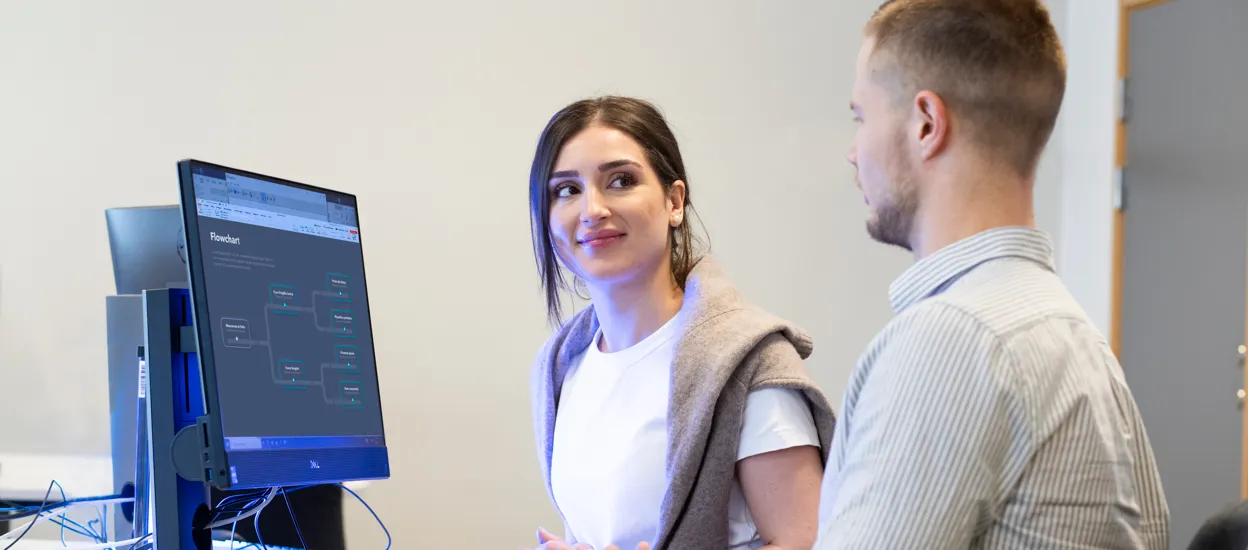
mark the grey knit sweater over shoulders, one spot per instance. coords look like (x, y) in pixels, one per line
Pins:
(726, 349)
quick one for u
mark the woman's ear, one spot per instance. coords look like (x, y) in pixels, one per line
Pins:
(676, 203)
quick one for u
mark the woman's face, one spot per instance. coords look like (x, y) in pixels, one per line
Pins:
(610, 217)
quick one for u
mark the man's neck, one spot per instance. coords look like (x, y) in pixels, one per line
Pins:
(962, 207)
(630, 311)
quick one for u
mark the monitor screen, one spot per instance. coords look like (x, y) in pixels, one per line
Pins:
(277, 276)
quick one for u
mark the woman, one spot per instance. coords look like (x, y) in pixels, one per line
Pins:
(670, 411)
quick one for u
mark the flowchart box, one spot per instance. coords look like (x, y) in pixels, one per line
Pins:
(291, 371)
(351, 394)
(339, 287)
(282, 296)
(342, 323)
(236, 333)
(346, 357)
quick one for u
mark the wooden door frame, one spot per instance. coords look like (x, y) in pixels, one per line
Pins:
(1126, 9)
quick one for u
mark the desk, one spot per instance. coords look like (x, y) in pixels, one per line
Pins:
(25, 477)
(56, 545)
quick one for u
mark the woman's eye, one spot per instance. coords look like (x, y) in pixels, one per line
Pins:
(565, 190)
(622, 180)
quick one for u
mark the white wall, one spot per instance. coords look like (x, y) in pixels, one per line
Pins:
(429, 112)
(1048, 191)
(1087, 150)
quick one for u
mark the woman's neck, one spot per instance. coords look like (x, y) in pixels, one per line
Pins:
(630, 311)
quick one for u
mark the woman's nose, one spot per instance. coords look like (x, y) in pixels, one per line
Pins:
(593, 206)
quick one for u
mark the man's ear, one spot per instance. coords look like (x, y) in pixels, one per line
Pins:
(932, 130)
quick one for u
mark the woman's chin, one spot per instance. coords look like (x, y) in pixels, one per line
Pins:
(604, 270)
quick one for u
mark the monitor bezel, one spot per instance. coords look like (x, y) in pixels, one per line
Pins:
(218, 458)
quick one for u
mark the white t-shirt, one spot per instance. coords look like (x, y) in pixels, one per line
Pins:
(608, 466)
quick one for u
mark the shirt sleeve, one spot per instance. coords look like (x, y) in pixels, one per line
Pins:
(775, 419)
(933, 428)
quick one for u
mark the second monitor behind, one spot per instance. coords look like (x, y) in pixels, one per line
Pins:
(148, 248)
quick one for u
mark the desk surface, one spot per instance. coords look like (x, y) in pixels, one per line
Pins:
(27, 544)
(25, 476)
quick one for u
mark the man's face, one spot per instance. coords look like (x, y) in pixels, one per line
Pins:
(884, 161)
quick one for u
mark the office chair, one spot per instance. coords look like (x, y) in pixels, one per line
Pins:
(1227, 530)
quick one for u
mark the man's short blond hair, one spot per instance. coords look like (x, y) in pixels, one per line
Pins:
(998, 66)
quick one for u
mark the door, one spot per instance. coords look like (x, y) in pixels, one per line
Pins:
(1185, 247)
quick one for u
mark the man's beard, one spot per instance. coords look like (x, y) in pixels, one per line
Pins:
(893, 219)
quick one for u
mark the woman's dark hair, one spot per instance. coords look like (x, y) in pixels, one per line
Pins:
(645, 124)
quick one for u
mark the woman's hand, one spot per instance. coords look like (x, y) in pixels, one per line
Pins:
(548, 541)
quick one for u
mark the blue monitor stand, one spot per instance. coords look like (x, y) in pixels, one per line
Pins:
(175, 496)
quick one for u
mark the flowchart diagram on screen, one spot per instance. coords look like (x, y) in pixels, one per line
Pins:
(285, 300)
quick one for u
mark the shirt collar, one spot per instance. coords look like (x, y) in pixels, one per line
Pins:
(934, 273)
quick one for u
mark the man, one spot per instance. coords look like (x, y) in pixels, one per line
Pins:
(989, 413)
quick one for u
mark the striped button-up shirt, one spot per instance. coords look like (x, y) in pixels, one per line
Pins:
(990, 413)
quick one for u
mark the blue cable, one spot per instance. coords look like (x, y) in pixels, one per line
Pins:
(293, 520)
(77, 528)
(86, 532)
(255, 521)
(370, 510)
(18, 512)
(240, 511)
(64, 521)
(256, 518)
(142, 540)
(46, 495)
(27, 511)
(64, 498)
(258, 498)
(74, 530)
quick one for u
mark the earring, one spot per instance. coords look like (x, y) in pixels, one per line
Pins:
(676, 219)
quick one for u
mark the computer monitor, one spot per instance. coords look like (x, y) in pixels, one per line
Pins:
(148, 248)
(281, 314)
